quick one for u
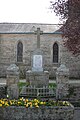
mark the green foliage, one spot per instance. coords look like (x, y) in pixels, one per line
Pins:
(52, 85)
(22, 74)
(22, 84)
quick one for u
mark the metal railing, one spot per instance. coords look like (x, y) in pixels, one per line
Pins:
(37, 92)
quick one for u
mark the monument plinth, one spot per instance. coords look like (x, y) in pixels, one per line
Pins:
(38, 79)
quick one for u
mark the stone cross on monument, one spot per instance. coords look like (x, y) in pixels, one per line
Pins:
(38, 32)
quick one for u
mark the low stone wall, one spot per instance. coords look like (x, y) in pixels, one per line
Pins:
(74, 93)
(41, 113)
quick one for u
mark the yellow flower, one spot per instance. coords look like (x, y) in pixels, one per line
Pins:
(31, 105)
(0, 105)
(36, 103)
(37, 106)
(41, 103)
(44, 103)
(11, 103)
(6, 104)
(26, 100)
(26, 105)
(35, 100)
(64, 102)
(2, 102)
(19, 102)
(20, 99)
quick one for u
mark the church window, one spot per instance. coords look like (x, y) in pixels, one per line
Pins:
(55, 53)
(20, 52)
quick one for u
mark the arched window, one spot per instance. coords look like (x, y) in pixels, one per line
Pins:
(55, 53)
(19, 52)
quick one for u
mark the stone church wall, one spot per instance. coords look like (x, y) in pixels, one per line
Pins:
(72, 62)
(8, 52)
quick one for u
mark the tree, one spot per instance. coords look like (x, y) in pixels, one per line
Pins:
(70, 10)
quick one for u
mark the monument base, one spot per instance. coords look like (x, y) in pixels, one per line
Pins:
(37, 79)
(36, 69)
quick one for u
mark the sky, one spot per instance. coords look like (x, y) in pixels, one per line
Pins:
(27, 11)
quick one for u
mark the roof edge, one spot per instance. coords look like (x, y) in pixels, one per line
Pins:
(30, 23)
(29, 33)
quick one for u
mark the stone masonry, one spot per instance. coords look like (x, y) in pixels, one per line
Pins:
(11, 34)
(12, 75)
(12, 81)
(62, 80)
(37, 79)
(42, 113)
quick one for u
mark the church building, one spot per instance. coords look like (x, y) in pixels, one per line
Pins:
(19, 40)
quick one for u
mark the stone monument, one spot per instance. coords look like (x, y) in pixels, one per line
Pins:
(37, 76)
(12, 81)
(62, 80)
(12, 74)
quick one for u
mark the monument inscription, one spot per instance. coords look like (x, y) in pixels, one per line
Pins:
(37, 61)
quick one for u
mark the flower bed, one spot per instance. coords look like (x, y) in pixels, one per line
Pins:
(32, 103)
(24, 109)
